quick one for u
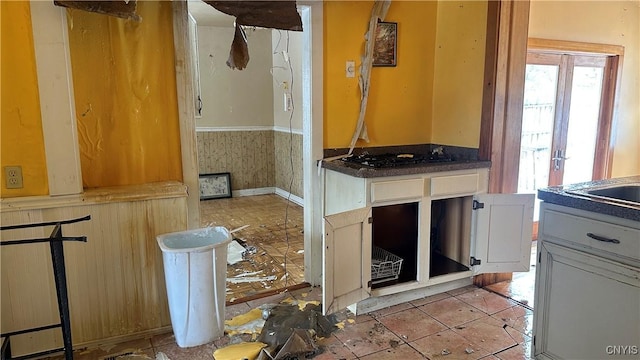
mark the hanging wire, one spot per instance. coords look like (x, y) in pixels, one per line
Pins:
(286, 211)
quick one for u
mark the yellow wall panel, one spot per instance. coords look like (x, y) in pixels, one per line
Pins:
(399, 106)
(125, 96)
(459, 73)
(21, 125)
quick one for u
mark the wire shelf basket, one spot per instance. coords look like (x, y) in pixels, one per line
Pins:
(385, 266)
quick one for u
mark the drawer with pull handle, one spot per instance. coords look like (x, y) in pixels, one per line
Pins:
(589, 233)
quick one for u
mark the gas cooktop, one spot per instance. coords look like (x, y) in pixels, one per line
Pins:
(393, 160)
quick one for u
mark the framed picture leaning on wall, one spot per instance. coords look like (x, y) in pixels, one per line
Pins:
(215, 186)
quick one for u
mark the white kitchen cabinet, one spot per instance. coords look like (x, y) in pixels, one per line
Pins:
(587, 301)
(455, 230)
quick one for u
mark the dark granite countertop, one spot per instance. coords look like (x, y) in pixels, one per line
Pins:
(575, 196)
(362, 171)
(463, 158)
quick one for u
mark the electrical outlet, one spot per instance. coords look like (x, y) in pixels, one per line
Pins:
(13, 176)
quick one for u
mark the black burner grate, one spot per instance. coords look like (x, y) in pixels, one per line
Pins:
(393, 160)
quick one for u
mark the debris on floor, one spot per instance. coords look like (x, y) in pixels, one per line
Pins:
(161, 356)
(234, 252)
(287, 330)
(299, 345)
(246, 277)
(243, 350)
(250, 323)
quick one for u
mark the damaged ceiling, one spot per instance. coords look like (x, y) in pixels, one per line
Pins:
(282, 15)
(121, 9)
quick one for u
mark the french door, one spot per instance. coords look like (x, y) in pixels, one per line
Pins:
(566, 120)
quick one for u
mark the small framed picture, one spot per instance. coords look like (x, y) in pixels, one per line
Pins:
(215, 186)
(386, 40)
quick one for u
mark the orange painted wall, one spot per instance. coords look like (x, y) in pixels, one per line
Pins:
(22, 141)
(125, 95)
(459, 73)
(399, 107)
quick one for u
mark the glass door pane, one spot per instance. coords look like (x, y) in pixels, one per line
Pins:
(541, 82)
(584, 113)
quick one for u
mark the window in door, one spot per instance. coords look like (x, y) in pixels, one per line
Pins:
(566, 120)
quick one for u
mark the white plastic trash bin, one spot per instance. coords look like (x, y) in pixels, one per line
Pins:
(195, 271)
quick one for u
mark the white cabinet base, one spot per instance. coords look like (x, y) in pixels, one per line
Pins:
(473, 233)
(587, 301)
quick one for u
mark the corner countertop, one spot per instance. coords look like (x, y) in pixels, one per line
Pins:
(362, 171)
(569, 195)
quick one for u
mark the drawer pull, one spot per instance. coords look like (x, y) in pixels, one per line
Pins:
(603, 239)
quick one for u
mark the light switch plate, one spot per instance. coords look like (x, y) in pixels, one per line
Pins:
(350, 69)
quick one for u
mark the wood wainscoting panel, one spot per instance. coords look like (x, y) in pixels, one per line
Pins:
(247, 155)
(28, 292)
(288, 162)
(115, 280)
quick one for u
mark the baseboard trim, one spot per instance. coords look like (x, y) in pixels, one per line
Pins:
(269, 190)
(252, 192)
(287, 195)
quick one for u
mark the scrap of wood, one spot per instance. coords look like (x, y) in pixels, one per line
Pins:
(378, 13)
(122, 9)
(238, 229)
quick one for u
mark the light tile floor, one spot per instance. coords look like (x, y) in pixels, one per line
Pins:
(521, 287)
(468, 323)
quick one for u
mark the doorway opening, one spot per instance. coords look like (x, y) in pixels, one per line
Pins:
(566, 122)
(244, 129)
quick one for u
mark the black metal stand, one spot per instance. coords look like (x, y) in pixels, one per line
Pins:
(55, 241)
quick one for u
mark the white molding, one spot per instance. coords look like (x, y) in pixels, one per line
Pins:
(289, 196)
(186, 111)
(269, 190)
(248, 128)
(252, 192)
(57, 102)
(312, 144)
(287, 130)
(233, 128)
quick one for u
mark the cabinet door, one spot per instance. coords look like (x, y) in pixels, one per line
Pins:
(347, 259)
(503, 225)
(586, 307)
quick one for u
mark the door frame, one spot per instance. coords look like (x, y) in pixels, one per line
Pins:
(312, 128)
(608, 111)
(502, 99)
(503, 96)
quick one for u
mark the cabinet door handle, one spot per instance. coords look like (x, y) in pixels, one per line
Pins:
(603, 239)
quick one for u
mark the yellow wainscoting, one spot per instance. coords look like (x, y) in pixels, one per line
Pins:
(115, 280)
